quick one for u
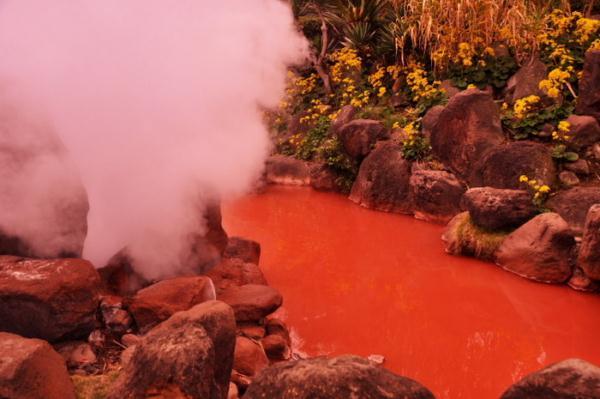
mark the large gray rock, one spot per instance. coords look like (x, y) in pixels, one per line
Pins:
(589, 252)
(569, 379)
(359, 136)
(539, 250)
(502, 166)
(435, 195)
(573, 204)
(31, 369)
(467, 127)
(48, 299)
(588, 102)
(335, 378)
(498, 209)
(383, 180)
(191, 353)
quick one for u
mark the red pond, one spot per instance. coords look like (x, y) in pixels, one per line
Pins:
(364, 282)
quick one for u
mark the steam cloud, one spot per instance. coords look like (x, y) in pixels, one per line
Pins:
(155, 102)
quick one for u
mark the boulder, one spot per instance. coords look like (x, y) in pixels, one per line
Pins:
(430, 120)
(581, 282)
(275, 326)
(502, 166)
(569, 379)
(43, 206)
(339, 377)
(580, 167)
(281, 169)
(31, 369)
(539, 250)
(435, 195)
(498, 209)
(159, 301)
(251, 330)
(359, 136)
(191, 352)
(345, 115)
(463, 237)
(449, 88)
(525, 82)
(589, 252)
(234, 273)
(251, 302)
(584, 131)
(588, 101)
(78, 355)
(249, 357)
(48, 299)
(243, 249)
(573, 205)
(383, 180)
(466, 128)
(276, 347)
(323, 178)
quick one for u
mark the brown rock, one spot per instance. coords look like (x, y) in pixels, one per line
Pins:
(249, 358)
(569, 379)
(467, 127)
(234, 273)
(589, 253)
(573, 205)
(130, 340)
(159, 301)
(115, 318)
(584, 130)
(580, 167)
(48, 299)
(525, 82)
(359, 136)
(581, 282)
(449, 88)
(502, 166)
(323, 178)
(31, 369)
(435, 195)
(588, 101)
(383, 180)
(539, 250)
(119, 277)
(276, 347)
(251, 330)
(568, 179)
(430, 120)
(345, 116)
(243, 249)
(335, 378)
(281, 169)
(498, 209)
(275, 326)
(192, 350)
(252, 302)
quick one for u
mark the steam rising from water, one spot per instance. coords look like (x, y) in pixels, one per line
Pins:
(156, 102)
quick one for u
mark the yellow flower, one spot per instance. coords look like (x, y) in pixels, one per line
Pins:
(544, 189)
(564, 126)
(523, 179)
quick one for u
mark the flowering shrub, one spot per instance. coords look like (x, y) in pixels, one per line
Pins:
(539, 191)
(414, 145)
(423, 91)
(562, 137)
(530, 115)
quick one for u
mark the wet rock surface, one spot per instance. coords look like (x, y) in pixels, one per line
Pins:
(539, 250)
(569, 379)
(48, 299)
(498, 209)
(251, 302)
(589, 252)
(383, 180)
(32, 369)
(340, 377)
(435, 195)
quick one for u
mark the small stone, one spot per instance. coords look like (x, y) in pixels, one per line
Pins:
(97, 339)
(580, 167)
(377, 359)
(568, 179)
(252, 331)
(276, 347)
(580, 282)
(249, 357)
(596, 151)
(275, 326)
(77, 354)
(252, 302)
(233, 391)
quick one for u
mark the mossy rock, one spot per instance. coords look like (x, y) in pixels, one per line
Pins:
(94, 386)
(463, 237)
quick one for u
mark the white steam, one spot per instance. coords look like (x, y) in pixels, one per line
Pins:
(156, 102)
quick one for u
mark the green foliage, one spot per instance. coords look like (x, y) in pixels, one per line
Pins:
(561, 152)
(533, 124)
(93, 386)
(339, 162)
(312, 140)
(470, 239)
(487, 70)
